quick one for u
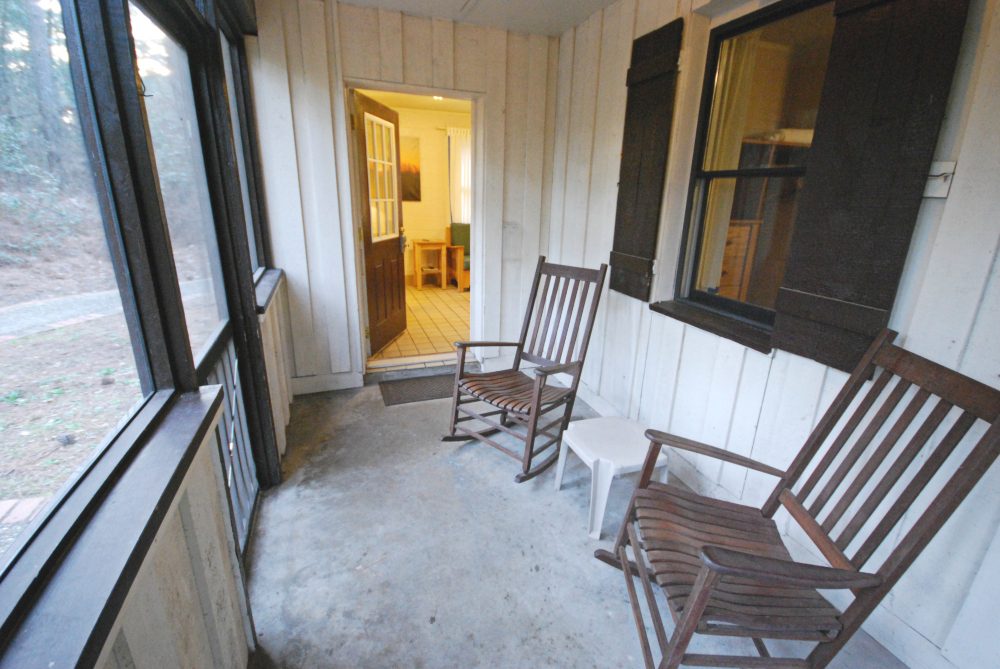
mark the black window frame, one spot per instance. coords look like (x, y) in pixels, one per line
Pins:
(746, 323)
(229, 23)
(144, 447)
(875, 137)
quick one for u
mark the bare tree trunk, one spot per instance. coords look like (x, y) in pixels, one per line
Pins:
(47, 95)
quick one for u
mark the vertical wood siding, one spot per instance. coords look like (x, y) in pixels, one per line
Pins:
(305, 52)
(187, 606)
(275, 334)
(548, 124)
(678, 378)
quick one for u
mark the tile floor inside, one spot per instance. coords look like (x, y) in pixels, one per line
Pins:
(435, 319)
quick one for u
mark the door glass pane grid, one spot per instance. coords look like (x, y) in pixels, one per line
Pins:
(69, 375)
(241, 163)
(173, 127)
(383, 198)
(234, 443)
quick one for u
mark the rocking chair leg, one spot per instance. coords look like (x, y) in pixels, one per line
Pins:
(456, 393)
(529, 444)
(454, 411)
(693, 608)
(532, 473)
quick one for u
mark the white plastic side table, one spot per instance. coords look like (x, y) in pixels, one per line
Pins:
(609, 447)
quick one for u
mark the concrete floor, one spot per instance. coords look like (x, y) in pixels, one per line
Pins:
(385, 547)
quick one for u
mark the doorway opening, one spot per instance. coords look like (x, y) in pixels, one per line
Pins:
(413, 171)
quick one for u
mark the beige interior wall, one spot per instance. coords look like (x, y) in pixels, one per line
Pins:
(428, 218)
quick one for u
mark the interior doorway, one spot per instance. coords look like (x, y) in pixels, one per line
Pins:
(413, 172)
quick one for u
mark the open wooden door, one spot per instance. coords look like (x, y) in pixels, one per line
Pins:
(376, 131)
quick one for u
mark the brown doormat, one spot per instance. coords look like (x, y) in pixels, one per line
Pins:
(417, 390)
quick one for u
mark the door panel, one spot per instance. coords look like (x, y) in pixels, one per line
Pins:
(376, 129)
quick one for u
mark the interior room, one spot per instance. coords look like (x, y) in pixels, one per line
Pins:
(507, 333)
(435, 161)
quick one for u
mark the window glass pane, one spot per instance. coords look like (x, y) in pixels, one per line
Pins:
(767, 89)
(380, 139)
(747, 229)
(68, 373)
(180, 165)
(241, 162)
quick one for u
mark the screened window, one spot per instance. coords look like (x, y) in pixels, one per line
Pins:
(173, 126)
(69, 373)
(766, 83)
(230, 58)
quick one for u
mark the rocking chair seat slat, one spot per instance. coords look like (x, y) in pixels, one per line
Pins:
(675, 525)
(509, 389)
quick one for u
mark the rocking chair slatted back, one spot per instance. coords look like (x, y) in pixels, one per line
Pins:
(899, 449)
(901, 446)
(563, 303)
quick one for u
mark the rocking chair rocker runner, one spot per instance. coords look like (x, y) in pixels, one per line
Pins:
(555, 335)
(901, 451)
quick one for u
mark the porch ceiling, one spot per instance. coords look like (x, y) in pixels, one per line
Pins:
(545, 17)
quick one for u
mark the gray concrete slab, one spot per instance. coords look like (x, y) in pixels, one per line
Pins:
(385, 547)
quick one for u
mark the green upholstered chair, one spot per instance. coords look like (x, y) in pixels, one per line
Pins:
(458, 254)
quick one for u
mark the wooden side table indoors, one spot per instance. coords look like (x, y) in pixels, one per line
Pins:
(421, 249)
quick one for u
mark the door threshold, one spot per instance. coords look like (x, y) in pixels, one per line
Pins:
(412, 362)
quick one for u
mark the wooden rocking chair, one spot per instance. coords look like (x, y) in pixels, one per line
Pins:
(564, 302)
(723, 567)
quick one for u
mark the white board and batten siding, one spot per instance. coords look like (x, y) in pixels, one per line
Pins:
(187, 606)
(275, 334)
(305, 56)
(678, 378)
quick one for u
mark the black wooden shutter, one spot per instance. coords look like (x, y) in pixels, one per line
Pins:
(649, 112)
(884, 96)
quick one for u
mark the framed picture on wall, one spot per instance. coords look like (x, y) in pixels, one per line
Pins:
(409, 167)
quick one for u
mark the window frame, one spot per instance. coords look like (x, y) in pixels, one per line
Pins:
(745, 323)
(101, 61)
(227, 24)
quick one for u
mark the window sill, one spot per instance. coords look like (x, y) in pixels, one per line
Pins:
(749, 334)
(266, 286)
(65, 588)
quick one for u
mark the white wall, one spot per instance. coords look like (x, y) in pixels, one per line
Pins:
(187, 606)
(547, 122)
(275, 334)
(679, 378)
(305, 53)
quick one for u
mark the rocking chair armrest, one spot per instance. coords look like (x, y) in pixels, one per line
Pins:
(473, 344)
(569, 367)
(666, 439)
(775, 571)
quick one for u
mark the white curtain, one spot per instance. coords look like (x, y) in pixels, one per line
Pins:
(731, 98)
(460, 174)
